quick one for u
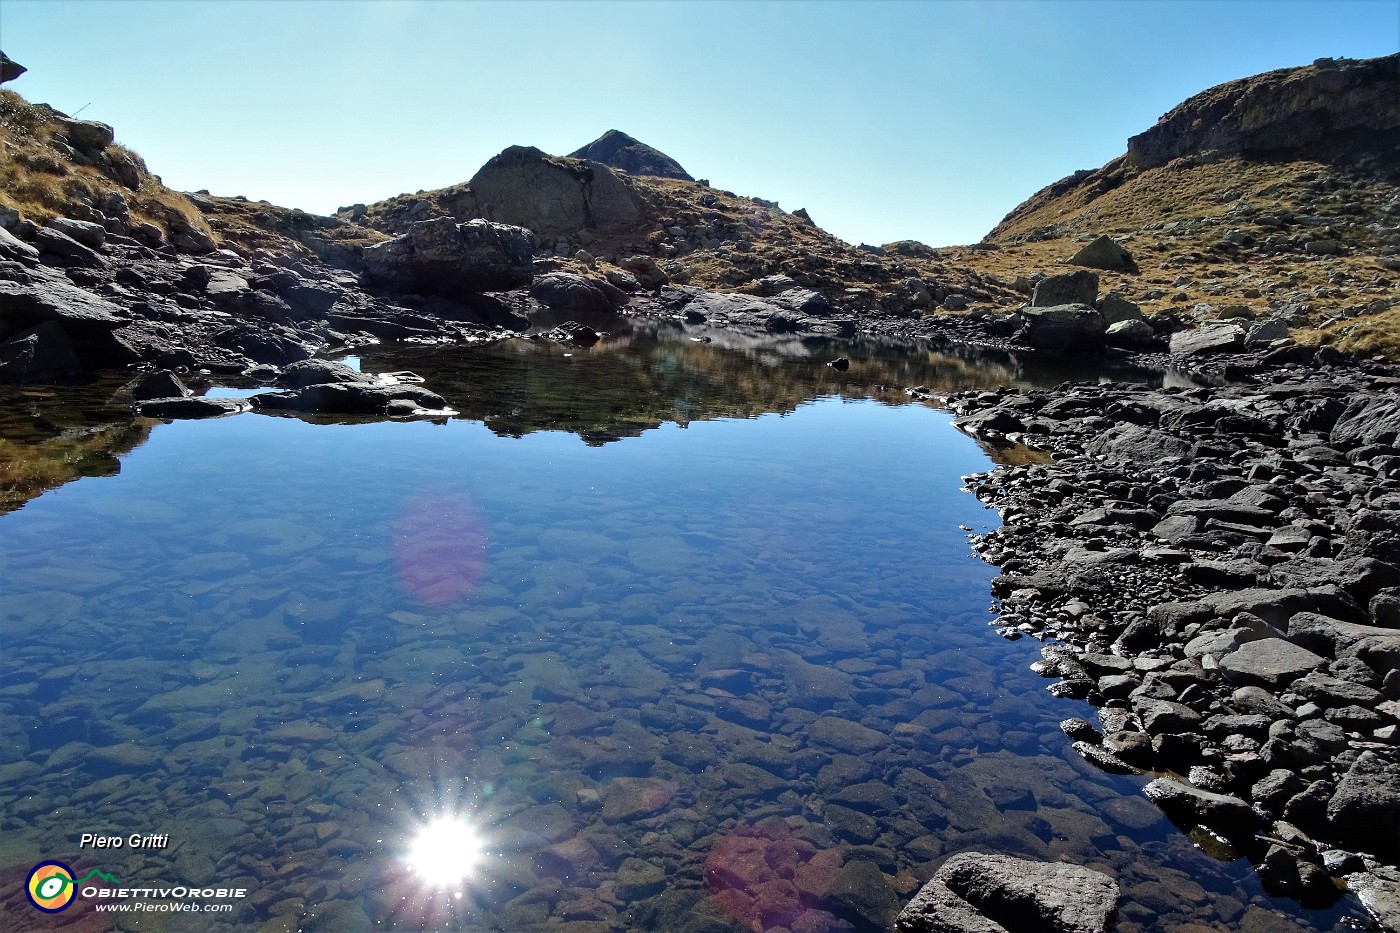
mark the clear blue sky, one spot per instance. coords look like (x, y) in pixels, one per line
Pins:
(905, 120)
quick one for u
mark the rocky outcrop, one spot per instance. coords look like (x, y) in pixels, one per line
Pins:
(977, 893)
(444, 257)
(525, 187)
(1279, 110)
(9, 68)
(618, 150)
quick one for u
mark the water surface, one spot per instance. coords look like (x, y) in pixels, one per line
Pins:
(685, 637)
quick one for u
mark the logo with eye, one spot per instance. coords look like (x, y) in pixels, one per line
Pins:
(50, 887)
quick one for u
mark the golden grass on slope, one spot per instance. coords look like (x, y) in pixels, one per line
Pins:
(1367, 336)
(42, 181)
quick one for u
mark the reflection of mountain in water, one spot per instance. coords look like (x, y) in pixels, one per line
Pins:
(643, 375)
(53, 435)
(639, 378)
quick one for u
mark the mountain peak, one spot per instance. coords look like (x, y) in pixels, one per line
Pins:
(618, 150)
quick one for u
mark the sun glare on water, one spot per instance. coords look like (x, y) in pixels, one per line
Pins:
(447, 853)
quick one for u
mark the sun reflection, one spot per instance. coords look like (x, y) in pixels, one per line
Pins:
(447, 852)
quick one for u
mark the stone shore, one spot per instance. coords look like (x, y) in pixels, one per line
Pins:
(1215, 569)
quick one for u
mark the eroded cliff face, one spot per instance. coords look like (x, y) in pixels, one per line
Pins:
(1270, 113)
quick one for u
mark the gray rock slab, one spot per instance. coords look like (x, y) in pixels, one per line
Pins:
(1211, 338)
(1269, 662)
(978, 893)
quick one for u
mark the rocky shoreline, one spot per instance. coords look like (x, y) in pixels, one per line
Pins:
(1216, 570)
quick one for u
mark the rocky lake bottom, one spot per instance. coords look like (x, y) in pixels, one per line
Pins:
(686, 637)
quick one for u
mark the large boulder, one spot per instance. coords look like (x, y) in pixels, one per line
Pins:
(1269, 662)
(564, 291)
(977, 893)
(1215, 337)
(1080, 287)
(618, 150)
(1104, 253)
(1062, 328)
(1365, 810)
(88, 136)
(444, 257)
(525, 187)
(1369, 421)
(38, 355)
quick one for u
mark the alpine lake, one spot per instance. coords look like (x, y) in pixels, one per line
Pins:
(662, 634)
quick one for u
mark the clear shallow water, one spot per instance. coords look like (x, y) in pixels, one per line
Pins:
(730, 676)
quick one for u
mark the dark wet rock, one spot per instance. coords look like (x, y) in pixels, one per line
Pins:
(1063, 328)
(861, 893)
(442, 256)
(1365, 810)
(350, 398)
(1071, 288)
(847, 736)
(312, 372)
(1187, 805)
(977, 893)
(162, 384)
(40, 354)
(196, 407)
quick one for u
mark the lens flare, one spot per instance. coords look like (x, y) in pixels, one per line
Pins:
(447, 852)
(440, 548)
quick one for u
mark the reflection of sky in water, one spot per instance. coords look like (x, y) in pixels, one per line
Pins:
(425, 676)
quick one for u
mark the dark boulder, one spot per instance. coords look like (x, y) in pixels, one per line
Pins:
(161, 384)
(9, 68)
(443, 257)
(261, 346)
(565, 291)
(1191, 806)
(190, 407)
(1365, 810)
(318, 372)
(1080, 287)
(38, 355)
(1062, 328)
(1105, 253)
(349, 398)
